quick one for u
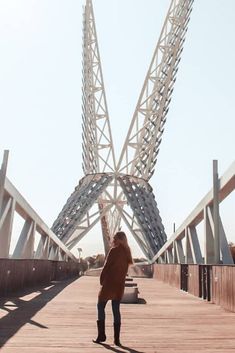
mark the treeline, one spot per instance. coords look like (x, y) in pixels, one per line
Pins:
(97, 261)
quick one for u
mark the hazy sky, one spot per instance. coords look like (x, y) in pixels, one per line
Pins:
(40, 99)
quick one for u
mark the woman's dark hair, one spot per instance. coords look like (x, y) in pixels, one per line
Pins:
(121, 236)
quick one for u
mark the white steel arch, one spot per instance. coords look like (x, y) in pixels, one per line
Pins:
(141, 147)
(119, 199)
(98, 151)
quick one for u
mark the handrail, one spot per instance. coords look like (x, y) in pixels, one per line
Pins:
(226, 186)
(50, 246)
(25, 210)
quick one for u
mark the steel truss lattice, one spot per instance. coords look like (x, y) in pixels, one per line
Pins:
(121, 191)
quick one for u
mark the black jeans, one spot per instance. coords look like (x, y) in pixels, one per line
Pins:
(115, 309)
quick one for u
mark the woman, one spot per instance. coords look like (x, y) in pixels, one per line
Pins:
(112, 280)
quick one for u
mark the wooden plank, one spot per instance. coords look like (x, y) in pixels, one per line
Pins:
(62, 318)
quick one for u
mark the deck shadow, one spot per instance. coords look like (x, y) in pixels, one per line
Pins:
(118, 350)
(141, 301)
(25, 310)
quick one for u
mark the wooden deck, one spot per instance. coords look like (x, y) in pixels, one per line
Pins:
(62, 319)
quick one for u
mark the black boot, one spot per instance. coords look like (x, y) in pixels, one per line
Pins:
(101, 332)
(117, 327)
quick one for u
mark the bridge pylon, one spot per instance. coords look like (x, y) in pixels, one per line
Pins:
(115, 193)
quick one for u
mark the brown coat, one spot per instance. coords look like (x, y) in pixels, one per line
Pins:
(112, 278)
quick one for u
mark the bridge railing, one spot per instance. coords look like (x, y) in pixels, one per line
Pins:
(11, 203)
(17, 275)
(214, 283)
(216, 249)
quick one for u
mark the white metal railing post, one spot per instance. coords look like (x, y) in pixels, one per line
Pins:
(3, 171)
(216, 249)
(216, 212)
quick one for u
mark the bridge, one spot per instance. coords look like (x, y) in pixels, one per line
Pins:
(60, 316)
(186, 285)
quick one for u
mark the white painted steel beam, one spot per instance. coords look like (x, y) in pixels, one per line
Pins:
(179, 251)
(42, 251)
(169, 255)
(3, 171)
(137, 160)
(216, 213)
(6, 223)
(141, 147)
(143, 138)
(98, 150)
(195, 245)
(188, 249)
(209, 248)
(204, 212)
(15, 202)
(25, 246)
(226, 256)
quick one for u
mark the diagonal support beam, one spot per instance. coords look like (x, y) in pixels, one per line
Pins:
(25, 246)
(141, 147)
(141, 199)
(98, 151)
(79, 203)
